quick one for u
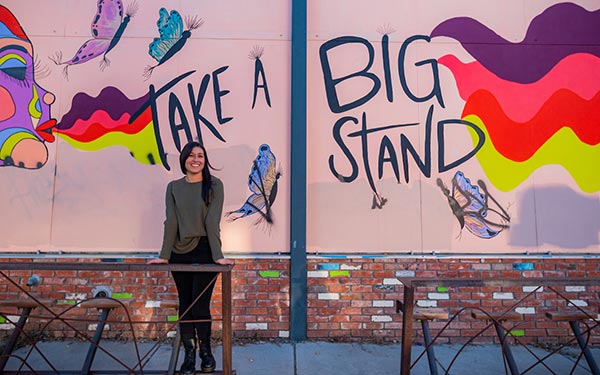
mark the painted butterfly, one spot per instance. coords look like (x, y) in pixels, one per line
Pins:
(171, 38)
(108, 26)
(470, 206)
(262, 182)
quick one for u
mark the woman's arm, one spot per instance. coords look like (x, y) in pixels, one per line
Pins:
(213, 219)
(170, 226)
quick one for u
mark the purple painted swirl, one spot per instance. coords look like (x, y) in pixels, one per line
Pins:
(110, 99)
(559, 31)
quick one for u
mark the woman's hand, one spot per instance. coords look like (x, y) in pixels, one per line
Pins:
(224, 261)
(158, 261)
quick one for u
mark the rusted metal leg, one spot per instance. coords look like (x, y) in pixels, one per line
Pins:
(407, 319)
(226, 297)
(174, 353)
(512, 365)
(584, 348)
(87, 365)
(12, 340)
(433, 370)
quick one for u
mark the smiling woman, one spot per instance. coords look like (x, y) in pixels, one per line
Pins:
(25, 122)
(192, 235)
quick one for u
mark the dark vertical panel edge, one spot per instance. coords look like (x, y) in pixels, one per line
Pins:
(298, 301)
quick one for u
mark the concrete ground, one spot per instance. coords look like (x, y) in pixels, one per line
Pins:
(306, 358)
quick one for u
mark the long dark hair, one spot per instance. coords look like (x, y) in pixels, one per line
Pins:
(206, 176)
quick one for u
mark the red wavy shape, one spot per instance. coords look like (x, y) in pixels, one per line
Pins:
(519, 141)
(579, 73)
(100, 124)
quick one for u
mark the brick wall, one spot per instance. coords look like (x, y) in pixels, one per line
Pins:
(350, 298)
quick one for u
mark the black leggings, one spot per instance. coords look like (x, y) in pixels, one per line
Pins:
(189, 286)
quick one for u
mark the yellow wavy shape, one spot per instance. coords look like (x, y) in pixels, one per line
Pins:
(140, 144)
(582, 161)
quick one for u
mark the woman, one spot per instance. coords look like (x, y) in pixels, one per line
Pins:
(194, 205)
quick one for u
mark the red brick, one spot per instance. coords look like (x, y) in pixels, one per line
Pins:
(259, 299)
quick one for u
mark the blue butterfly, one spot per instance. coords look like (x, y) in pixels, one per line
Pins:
(262, 182)
(171, 38)
(470, 206)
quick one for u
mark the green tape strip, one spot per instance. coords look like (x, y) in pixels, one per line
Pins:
(65, 302)
(269, 273)
(2, 320)
(517, 333)
(122, 295)
(172, 318)
(442, 289)
(339, 273)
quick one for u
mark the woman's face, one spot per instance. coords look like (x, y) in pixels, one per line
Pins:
(25, 122)
(194, 163)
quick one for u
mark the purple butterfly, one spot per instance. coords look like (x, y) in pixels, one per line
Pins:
(108, 26)
(470, 206)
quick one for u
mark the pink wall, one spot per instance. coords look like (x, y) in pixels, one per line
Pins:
(457, 73)
(91, 194)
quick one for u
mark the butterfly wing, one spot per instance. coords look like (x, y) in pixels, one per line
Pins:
(468, 196)
(476, 225)
(107, 19)
(474, 207)
(253, 204)
(89, 50)
(263, 175)
(170, 28)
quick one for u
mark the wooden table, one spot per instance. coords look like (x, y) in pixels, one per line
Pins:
(226, 286)
(410, 284)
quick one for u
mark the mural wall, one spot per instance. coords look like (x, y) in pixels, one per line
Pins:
(454, 127)
(448, 127)
(98, 97)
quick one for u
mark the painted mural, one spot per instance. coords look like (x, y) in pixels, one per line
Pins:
(25, 122)
(108, 25)
(262, 182)
(455, 127)
(88, 167)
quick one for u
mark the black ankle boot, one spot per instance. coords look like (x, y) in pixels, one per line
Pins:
(208, 361)
(188, 366)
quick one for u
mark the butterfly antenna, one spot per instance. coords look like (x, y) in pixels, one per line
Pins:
(66, 72)
(264, 217)
(148, 72)
(256, 52)
(132, 9)
(193, 22)
(104, 63)
(264, 223)
(57, 58)
(386, 29)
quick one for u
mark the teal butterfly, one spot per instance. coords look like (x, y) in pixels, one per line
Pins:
(171, 38)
